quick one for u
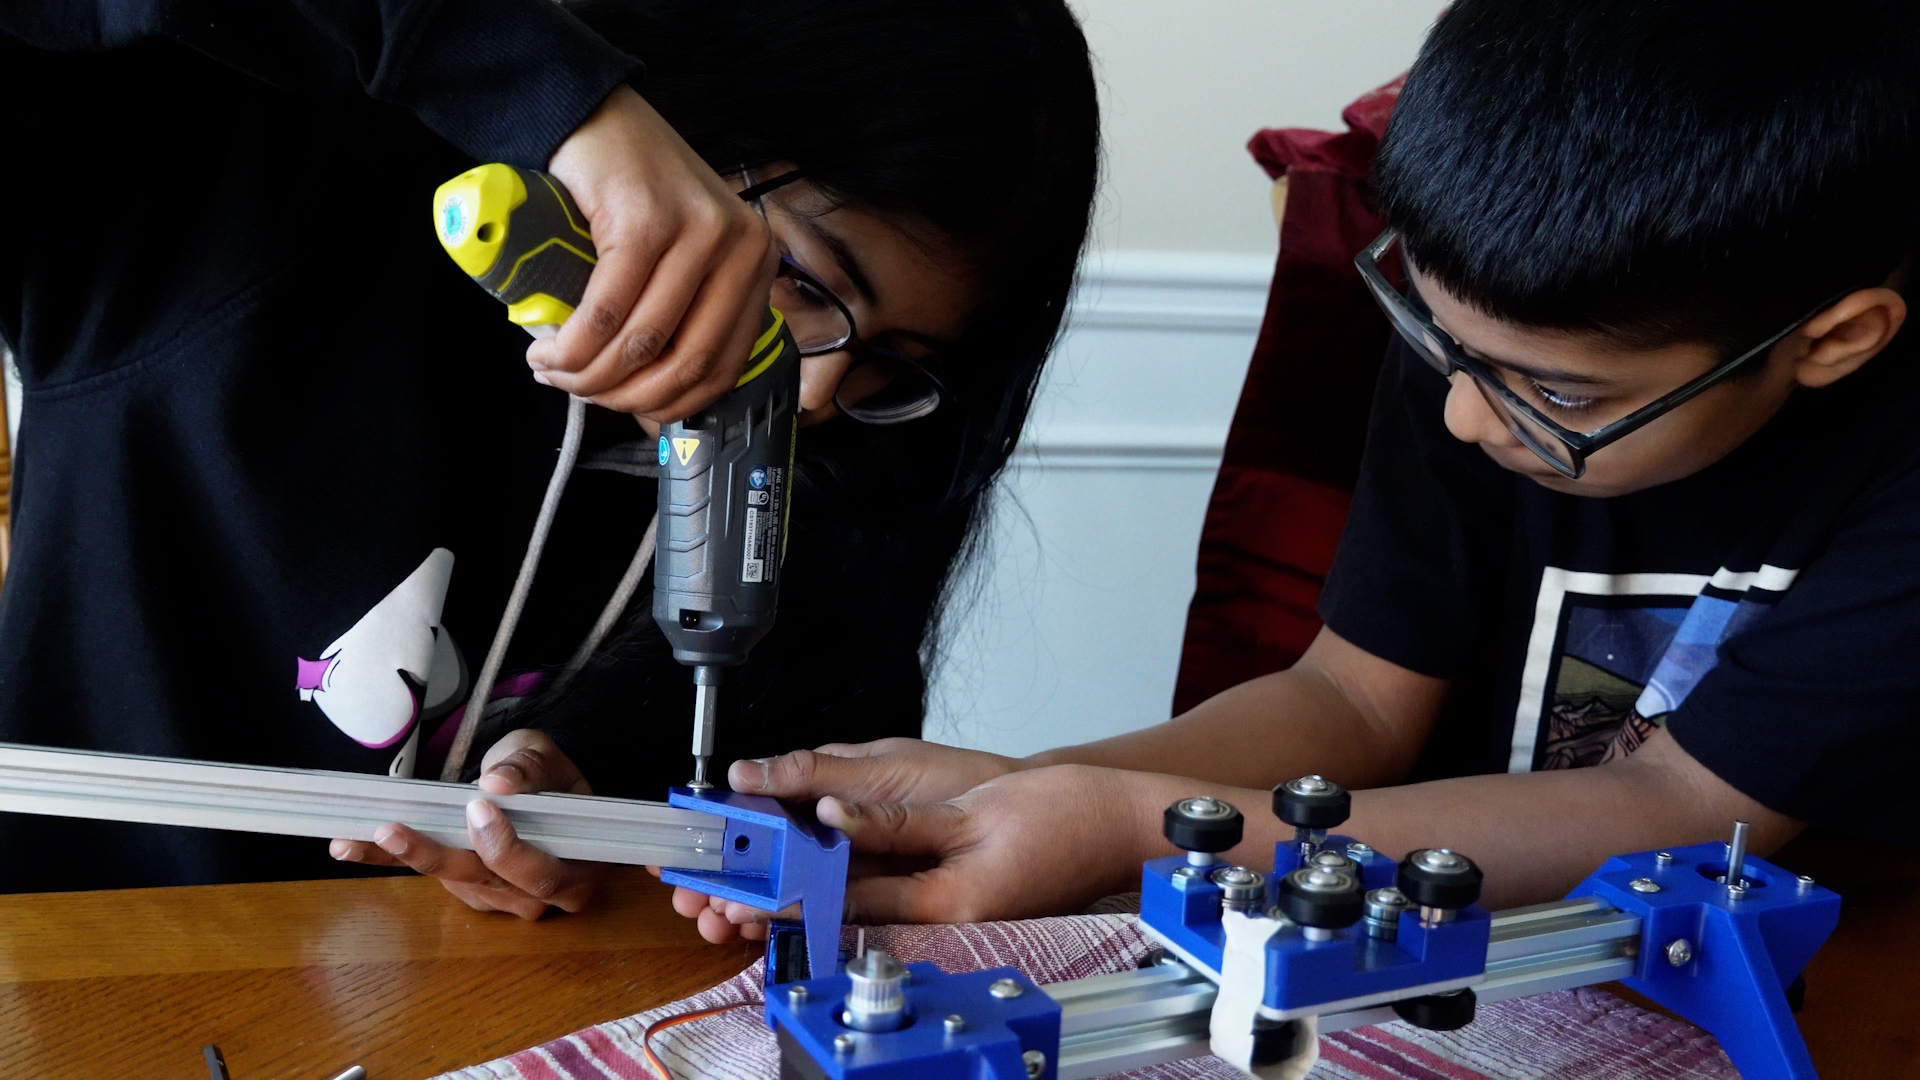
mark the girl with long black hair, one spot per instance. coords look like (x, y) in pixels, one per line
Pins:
(257, 394)
(932, 165)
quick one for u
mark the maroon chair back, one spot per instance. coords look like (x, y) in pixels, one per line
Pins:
(1293, 451)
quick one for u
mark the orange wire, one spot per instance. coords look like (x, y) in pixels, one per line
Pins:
(665, 1022)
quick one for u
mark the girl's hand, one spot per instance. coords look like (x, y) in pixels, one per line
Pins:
(502, 872)
(684, 272)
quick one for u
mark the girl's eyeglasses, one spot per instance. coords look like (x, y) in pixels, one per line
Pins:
(881, 386)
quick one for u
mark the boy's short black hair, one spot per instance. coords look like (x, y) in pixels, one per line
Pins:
(1660, 171)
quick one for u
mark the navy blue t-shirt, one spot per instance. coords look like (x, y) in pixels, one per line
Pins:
(1765, 610)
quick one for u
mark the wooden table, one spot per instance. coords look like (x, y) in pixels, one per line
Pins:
(298, 980)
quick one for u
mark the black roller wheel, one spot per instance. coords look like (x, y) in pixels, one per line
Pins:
(1202, 823)
(1312, 802)
(1324, 899)
(1438, 878)
(1438, 1012)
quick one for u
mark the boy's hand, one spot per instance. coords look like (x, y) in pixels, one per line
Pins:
(890, 771)
(502, 872)
(685, 268)
(886, 771)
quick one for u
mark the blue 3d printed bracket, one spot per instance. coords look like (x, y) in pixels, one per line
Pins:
(774, 857)
(1337, 936)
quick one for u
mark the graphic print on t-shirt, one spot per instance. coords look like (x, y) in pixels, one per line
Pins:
(1611, 654)
(374, 681)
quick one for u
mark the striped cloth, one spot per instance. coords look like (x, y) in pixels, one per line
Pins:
(1582, 1034)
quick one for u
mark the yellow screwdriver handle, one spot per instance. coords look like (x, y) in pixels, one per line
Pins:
(519, 234)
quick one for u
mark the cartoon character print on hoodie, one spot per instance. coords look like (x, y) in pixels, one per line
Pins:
(393, 668)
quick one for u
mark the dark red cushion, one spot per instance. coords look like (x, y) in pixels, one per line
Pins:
(1294, 448)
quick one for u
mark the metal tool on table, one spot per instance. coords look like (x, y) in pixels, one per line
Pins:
(726, 473)
(1257, 966)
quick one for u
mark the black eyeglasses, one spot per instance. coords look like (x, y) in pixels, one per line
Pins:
(881, 386)
(1567, 451)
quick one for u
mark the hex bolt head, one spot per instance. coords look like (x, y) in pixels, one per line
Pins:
(1005, 988)
(955, 1024)
(1644, 885)
(843, 1043)
(1036, 1063)
(796, 995)
(1679, 952)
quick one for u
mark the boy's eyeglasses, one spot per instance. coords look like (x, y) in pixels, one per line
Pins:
(1567, 451)
(881, 386)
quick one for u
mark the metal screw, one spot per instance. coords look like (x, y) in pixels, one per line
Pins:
(1804, 882)
(1358, 851)
(1309, 785)
(843, 1043)
(1664, 858)
(796, 995)
(1185, 874)
(955, 1024)
(1205, 806)
(1644, 885)
(1439, 859)
(1005, 988)
(1036, 1063)
(1679, 952)
(1736, 892)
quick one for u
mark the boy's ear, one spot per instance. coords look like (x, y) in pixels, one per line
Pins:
(1847, 335)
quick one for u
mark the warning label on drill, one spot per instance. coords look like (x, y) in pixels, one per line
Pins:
(760, 560)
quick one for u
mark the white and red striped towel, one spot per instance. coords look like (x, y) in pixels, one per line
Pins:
(1583, 1034)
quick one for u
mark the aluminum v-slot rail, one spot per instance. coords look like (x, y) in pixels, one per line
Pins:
(1112, 1023)
(350, 806)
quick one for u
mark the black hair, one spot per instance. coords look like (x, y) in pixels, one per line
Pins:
(1659, 171)
(977, 119)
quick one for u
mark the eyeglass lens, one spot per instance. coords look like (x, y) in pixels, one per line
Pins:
(885, 388)
(818, 324)
(1523, 427)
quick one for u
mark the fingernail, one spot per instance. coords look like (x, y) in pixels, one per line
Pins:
(390, 840)
(541, 378)
(344, 852)
(482, 814)
(836, 812)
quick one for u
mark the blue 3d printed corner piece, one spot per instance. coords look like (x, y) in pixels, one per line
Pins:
(977, 1025)
(1723, 961)
(775, 857)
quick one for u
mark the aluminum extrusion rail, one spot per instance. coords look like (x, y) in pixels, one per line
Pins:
(1111, 1023)
(311, 802)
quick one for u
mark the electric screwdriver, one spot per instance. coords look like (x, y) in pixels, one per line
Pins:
(726, 473)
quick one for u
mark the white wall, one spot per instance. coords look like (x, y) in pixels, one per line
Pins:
(1185, 83)
(1069, 628)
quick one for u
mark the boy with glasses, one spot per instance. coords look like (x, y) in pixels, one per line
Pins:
(1635, 550)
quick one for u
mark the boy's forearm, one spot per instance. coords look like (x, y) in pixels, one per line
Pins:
(1534, 835)
(1317, 717)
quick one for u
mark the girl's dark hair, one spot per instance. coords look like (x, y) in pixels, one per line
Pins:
(977, 118)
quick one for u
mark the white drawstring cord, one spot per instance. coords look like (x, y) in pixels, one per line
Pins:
(522, 586)
(616, 605)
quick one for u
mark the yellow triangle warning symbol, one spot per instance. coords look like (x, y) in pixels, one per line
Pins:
(685, 448)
